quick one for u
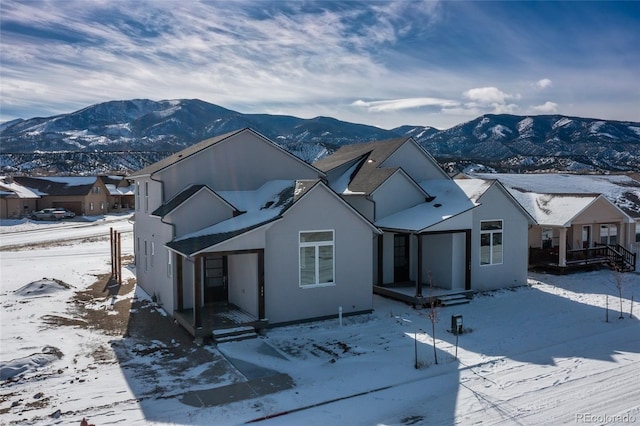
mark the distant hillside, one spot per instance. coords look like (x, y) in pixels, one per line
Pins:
(125, 135)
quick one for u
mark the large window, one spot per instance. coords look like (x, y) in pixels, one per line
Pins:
(316, 258)
(608, 234)
(490, 242)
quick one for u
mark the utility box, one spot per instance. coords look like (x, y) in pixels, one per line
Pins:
(456, 324)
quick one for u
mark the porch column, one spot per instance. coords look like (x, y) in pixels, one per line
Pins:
(261, 304)
(419, 274)
(380, 259)
(179, 284)
(467, 273)
(562, 248)
(197, 293)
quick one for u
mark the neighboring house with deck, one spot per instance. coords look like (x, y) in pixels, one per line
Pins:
(235, 231)
(581, 220)
(16, 200)
(83, 195)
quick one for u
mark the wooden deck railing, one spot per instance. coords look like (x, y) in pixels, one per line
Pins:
(600, 254)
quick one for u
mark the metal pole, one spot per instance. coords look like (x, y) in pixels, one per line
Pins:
(119, 255)
(111, 252)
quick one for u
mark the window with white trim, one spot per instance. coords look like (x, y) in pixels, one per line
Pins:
(91, 205)
(317, 260)
(608, 234)
(169, 265)
(490, 242)
(146, 257)
(153, 251)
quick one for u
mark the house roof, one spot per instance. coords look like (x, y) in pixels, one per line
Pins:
(621, 190)
(202, 145)
(260, 207)
(476, 188)
(365, 174)
(58, 185)
(181, 155)
(9, 188)
(449, 201)
(178, 199)
(554, 209)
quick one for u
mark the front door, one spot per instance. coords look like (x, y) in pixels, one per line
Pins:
(400, 257)
(215, 279)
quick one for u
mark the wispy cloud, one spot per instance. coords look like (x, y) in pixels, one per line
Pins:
(385, 62)
(401, 104)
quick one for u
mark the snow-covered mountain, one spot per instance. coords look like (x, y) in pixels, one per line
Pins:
(120, 135)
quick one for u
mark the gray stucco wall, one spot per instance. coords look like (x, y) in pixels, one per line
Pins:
(242, 162)
(396, 194)
(513, 270)
(201, 210)
(243, 281)
(285, 300)
(415, 162)
(152, 273)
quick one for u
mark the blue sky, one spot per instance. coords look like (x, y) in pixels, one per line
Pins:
(378, 63)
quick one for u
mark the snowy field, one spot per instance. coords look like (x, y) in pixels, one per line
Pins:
(75, 346)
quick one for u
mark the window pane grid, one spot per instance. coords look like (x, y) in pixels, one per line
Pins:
(316, 258)
(491, 248)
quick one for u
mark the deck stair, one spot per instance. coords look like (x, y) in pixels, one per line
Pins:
(452, 300)
(234, 334)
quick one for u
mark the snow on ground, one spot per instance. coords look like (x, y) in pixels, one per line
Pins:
(540, 354)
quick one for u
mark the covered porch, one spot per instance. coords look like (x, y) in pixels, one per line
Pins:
(220, 290)
(217, 317)
(418, 268)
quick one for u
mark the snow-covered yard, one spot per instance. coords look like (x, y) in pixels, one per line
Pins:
(73, 346)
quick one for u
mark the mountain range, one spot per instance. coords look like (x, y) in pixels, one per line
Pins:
(121, 136)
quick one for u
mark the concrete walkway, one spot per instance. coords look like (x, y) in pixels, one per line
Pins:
(260, 381)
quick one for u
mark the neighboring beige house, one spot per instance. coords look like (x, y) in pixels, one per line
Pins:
(235, 233)
(121, 192)
(16, 200)
(581, 220)
(83, 195)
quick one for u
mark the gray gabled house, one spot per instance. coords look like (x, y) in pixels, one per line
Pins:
(237, 231)
(425, 217)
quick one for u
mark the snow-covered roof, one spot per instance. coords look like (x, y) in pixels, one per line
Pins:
(58, 185)
(115, 191)
(474, 188)
(449, 201)
(621, 190)
(554, 209)
(260, 207)
(11, 189)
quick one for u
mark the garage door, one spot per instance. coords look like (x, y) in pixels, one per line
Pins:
(74, 206)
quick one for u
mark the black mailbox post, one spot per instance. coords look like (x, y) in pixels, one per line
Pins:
(456, 324)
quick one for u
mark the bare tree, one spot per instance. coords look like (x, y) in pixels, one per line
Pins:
(618, 280)
(432, 314)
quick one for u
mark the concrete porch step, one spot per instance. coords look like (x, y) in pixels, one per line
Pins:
(234, 334)
(452, 300)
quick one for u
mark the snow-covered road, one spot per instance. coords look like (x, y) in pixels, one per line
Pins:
(29, 232)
